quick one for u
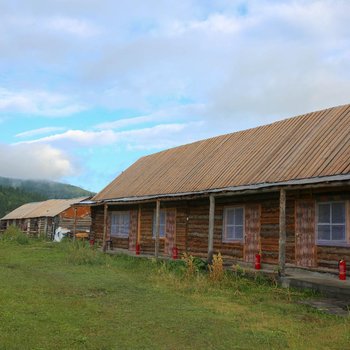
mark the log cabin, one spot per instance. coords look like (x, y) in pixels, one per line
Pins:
(42, 218)
(281, 190)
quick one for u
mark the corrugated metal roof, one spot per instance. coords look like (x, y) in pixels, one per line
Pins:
(49, 208)
(308, 146)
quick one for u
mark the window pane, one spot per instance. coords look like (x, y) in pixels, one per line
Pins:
(324, 232)
(162, 223)
(239, 232)
(324, 213)
(120, 224)
(229, 233)
(230, 219)
(338, 232)
(162, 230)
(338, 213)
(239, 216)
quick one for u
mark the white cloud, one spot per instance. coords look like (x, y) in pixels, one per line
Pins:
(78, 137)
(39, 131)
(122, 123)
(177, 113)
(38, 102)
(155, 137)
(72, 26)
(34, 161)
(216, 24)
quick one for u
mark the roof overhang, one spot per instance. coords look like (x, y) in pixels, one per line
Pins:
(323, 181)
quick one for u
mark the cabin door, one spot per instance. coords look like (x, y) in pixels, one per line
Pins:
(251, 232)
(133, 230)
(170, 231)
(305, 249)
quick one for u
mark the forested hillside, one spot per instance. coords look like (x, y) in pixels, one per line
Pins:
(15, 192)
(11, 198)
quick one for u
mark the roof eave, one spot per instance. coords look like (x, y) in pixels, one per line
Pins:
(322, 180)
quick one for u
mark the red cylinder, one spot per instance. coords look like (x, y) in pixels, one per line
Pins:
(138, 249)
(92, 242)
(342, 270)
(175, 253)
(257, 261)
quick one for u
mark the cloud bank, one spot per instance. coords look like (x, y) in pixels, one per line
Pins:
(34, 162)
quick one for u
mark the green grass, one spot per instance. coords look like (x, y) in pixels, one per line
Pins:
(57, 296)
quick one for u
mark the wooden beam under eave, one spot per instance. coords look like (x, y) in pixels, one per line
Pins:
(282, 233)
(105, 209)
(156, 248)
(211, 227)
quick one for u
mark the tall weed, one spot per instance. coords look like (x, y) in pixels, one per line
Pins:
(191, 268)
(14, 234)
(216, 268)
(80, 253)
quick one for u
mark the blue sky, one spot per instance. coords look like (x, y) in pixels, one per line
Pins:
(87, 87)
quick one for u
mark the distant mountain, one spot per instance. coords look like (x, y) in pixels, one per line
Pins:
(15, 192)
(11, 198)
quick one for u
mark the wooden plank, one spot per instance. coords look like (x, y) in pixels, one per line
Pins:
(105, 208)
(170, 231)
(282, 232)
(305, 248)
(132, 240)
(138, 225)
(211, 226)
(156, 249)
(252, 244)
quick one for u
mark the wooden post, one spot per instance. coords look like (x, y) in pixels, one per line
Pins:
(156, 248)
(282, 233)
(138, 239)
(75, 223)
(45, 227)
(211, 227)
(104, 247)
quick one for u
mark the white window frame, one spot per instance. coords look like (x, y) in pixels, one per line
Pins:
(162, 225)
(120, 230)
(225, 239)
(331, 242)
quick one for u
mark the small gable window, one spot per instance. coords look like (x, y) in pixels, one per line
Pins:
(233, 228)
(331, 222)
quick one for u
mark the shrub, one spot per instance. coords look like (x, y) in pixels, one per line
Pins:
(216, 269)
(190, 267)
(14, 234)
(80, 253)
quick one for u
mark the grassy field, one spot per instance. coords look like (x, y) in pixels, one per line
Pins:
(55, 296)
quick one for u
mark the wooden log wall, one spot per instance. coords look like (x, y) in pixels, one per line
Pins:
(329, 256)
(192, 220)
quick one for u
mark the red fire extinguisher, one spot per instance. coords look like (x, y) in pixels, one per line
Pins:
(175, 253)
(138, 249)
(257, 261)
(342, 270)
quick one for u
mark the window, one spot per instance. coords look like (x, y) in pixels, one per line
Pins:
(120, 222)
(162, 223)
(331, 225)
(233, 224)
